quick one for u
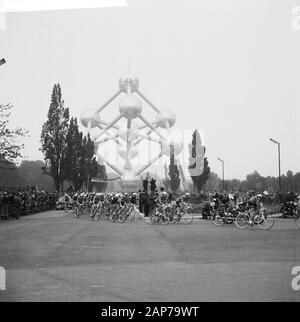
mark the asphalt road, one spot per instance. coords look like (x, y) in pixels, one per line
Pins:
(55, 257)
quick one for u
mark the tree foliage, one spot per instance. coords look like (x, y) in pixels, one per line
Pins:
(10, 148)
(256, 182)
(33, 176)
(101, 182)
(73, 155)
(89, 165)
(166, 180)
(69, 155)
(174, 174)
(197, 152)
(53, 137)
(9, 174)
(213, 183)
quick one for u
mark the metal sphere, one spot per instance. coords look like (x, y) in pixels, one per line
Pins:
(132, 153)
(164, 116)
(174, 141)
(129, 80)
(130, 106)
(90, 116)
(132, 135)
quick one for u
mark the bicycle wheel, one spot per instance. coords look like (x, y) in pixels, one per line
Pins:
(81, 211)
(97, 216)
(122, 218)
(228, 220)
(164, 219)
(189, 210)
(172, 216)
(242, 220)
(133, 215)
(92, 215)
(152, 218)
(218, 219)
(114, 217)
(187, 218)
(266, 222)
(258, 219)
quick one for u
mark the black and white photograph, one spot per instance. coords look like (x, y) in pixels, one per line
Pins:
(149, 153)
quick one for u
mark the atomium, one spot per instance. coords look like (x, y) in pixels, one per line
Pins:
(130, 106)
(166, 118)
(128, 81)
(135, 129)
(90, 117)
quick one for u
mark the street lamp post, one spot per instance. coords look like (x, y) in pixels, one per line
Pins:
(2, 61)
(223, 180)
(279, 167)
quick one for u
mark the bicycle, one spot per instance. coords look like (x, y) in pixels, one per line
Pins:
(261, 218)
(114, 212)
(180, 214)
(126, 213)
(222, 216)
(94, 212)
(79, 210)
(159, 215)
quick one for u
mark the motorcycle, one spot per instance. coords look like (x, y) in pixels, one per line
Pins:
(289, 209)
(208, 211)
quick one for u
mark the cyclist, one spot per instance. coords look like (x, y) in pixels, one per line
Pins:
(289, 205)
(67, 201)
(80, 203)
(231, 203)
(134, 198)
(186, 197)
(163, 198)
(252, 199)
(96, 205)
(253, 204)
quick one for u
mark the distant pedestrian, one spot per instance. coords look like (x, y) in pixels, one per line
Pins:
(141, 206)
(152, 198)
(146, 205)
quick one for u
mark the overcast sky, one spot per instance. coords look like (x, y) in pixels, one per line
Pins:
(227, 67)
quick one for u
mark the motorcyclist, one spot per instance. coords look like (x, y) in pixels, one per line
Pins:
(290, 204)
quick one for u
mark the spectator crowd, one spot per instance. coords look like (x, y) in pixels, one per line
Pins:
(21, 201)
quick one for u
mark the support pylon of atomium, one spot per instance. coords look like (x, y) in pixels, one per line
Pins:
(136, 129)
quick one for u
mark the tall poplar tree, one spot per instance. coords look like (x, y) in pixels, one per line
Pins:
(53, 137)
(174, 174)
(90, 167)
(198, 162)
(73, 155)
